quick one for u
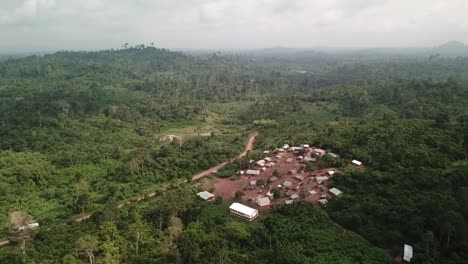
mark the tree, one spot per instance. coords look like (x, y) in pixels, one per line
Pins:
(139, 231)
(19, 232)
(276, 173)
(276, 193)
(87, 245)
(173, 231)
(81, 196)
(112, 244)
(239, 194)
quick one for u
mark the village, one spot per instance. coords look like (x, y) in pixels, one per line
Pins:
(284, 176)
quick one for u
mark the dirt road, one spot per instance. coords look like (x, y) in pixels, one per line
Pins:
(248, 147)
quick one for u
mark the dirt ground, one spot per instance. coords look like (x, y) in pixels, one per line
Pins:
(227, 187)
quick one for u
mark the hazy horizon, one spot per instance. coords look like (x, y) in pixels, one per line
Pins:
(50, 25)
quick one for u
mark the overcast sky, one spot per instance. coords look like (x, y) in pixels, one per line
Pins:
(31, 25)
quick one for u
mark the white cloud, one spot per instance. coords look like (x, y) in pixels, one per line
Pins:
(94, 24)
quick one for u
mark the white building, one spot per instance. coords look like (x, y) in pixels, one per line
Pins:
(320, 152)
(333, 155)
(243, 211)
(252, 172)
(260, 163)
(299, 177)
(335, 192)
(407, 253)
(287, 184)
(331, 173)
(321, 179)
(356, 163)
(296, 148)
(323, 201)
(29, 226)
(263, 201)
(207, 196)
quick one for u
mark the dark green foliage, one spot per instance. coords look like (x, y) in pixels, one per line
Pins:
(80, 131)
(225, 172)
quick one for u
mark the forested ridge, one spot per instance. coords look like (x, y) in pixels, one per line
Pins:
(82, 131)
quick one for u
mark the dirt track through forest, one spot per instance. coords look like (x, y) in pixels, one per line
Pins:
(248, 147)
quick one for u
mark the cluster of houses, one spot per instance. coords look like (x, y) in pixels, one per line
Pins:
(304, 154)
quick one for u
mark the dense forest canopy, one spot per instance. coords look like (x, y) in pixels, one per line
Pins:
(83, 131)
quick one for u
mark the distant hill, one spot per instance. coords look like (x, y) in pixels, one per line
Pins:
(452, 48)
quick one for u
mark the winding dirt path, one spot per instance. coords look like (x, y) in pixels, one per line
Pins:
(248, 147)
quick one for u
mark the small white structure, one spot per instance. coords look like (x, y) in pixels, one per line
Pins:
(264, 169)
(335, 192)
(311, 193)
(356, 163)
(331, 173)
(305, 146)
(268, 159)
(300, 158)
(207, 196)
(287, 184)
(205, 134)
(294, 196)
(334, 155)
(289, 202)
(266, 152)
(260, 163)
(407, 253)
(296, 148)
(169, 138)
(253, 183)
(323, 201)
(252, 172)
(307, 159)
(289, 160)
(263, 201)
(29, 226)
(281, 150)
(274, 178)
(278, 156)
(299, 177)
(241, 172)
(285, 146)
(243, 211)
(320, 152)
(321, 179)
